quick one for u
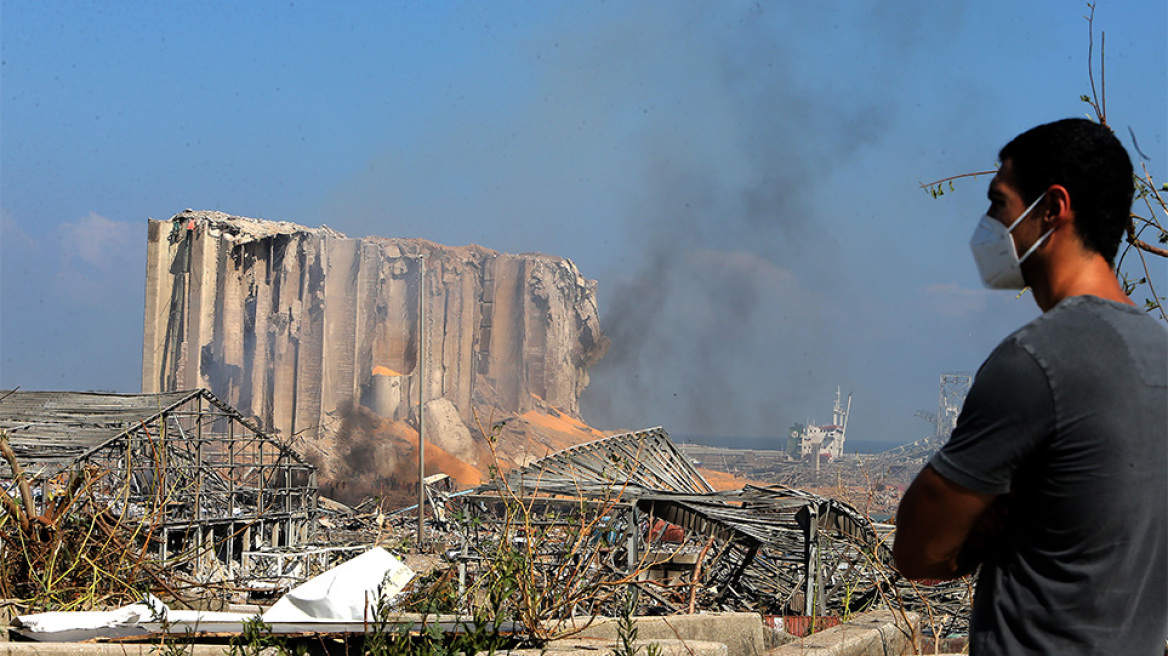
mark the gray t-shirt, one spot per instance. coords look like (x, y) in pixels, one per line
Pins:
(1069, 417)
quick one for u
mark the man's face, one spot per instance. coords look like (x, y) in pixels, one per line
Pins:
(1007, 204)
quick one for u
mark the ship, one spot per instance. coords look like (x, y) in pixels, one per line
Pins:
(811, 442)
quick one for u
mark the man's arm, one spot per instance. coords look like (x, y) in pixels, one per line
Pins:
(942, 527)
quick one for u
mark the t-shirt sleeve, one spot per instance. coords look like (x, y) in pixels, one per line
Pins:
(1008, 414)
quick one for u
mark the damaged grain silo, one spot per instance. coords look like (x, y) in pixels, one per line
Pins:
(301, 327)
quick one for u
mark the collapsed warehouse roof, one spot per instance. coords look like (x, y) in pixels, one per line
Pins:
(51, 431)
(642, 462)
(766, 536)
(770, 549)
(183, 458)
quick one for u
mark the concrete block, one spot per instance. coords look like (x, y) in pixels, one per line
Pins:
(742, 633)
(878, 633)
(107, 649)
(599, 647)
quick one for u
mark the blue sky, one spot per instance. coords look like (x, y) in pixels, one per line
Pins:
(741, 177)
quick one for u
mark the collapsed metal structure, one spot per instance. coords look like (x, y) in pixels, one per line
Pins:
(629, 510)
(205, 478)
(771, 549)
(658, 524)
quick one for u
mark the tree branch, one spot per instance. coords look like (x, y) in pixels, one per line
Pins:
(1147, 248)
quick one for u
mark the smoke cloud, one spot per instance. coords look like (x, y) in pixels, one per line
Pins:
(371, 456)
(687, 155)
(724, 325)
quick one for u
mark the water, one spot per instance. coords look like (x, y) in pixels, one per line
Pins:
(780, 443)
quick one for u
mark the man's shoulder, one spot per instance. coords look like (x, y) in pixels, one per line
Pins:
(1090, 340)
(1079, 317)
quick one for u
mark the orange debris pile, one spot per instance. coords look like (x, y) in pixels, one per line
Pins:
(725, 481)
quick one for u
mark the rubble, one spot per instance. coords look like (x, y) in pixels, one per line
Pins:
(630, 509)
(621, 525)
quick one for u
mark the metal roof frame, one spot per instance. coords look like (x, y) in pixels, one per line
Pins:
(37, 421)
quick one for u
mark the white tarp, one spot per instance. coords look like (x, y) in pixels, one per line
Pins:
(150, 609)
(347, 592)
(342, 594)
(91, 619)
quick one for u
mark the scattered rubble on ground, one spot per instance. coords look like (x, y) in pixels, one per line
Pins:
(199, 503)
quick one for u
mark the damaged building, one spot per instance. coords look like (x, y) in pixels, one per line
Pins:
(748, 549)
(653, 521)
(201, 479)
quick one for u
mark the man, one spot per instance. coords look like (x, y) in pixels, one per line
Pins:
(1055, 479)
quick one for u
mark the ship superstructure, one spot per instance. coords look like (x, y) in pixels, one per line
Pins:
(817, 442)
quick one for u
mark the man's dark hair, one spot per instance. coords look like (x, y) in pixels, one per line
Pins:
(1086, 159)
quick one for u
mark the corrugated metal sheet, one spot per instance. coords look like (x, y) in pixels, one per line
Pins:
(636, 462)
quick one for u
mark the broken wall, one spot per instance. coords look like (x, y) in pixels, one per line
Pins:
(290, 324)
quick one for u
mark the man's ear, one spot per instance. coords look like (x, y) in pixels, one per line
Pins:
(1058, 207)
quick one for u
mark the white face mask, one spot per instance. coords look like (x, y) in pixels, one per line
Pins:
(994, 252)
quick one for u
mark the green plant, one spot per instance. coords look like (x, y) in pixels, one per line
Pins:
(385, 636)
(433, 592)
(168, 644)
(256, 637)
(77, 553)
(627, 631)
